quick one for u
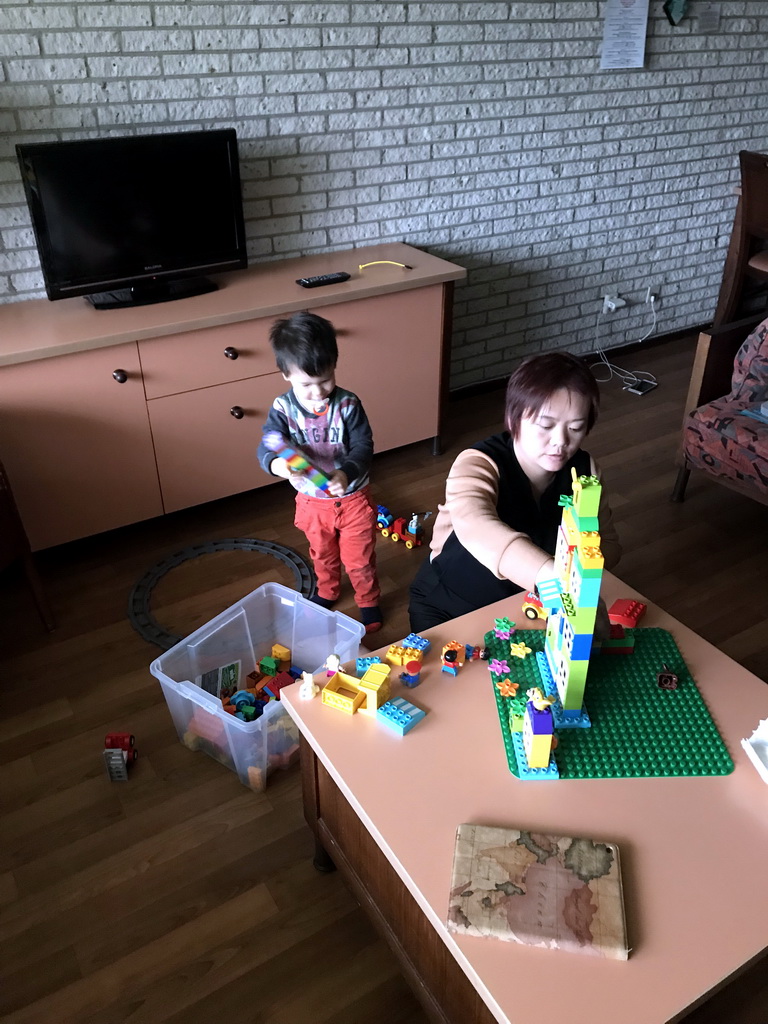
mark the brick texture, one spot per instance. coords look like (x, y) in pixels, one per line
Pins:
(483, 132)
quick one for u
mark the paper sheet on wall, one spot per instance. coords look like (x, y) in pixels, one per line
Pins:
(624, 30)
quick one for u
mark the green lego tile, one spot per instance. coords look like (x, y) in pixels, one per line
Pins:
(638, 729)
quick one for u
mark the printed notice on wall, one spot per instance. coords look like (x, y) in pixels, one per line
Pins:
(626, 22)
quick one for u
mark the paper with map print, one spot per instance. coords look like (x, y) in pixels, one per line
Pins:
(537, 889)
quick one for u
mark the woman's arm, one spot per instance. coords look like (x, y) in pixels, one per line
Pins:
(471, 495)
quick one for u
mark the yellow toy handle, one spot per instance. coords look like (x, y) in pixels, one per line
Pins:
(373, 263)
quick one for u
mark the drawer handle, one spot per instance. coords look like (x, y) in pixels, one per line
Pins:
(237, 412)
(231, 353)
(120, 376)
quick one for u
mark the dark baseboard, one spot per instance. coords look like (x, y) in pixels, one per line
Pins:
(484, 387)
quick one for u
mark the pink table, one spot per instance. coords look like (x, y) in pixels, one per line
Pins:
(694, 850)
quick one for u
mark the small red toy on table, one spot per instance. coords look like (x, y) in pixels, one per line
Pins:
(119, 752)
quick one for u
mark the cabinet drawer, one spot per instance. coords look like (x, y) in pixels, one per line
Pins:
(212, 355)
(203, 451)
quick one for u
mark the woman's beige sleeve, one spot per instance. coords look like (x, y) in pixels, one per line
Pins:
(471, 495)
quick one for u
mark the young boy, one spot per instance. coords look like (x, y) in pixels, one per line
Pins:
(331, 429)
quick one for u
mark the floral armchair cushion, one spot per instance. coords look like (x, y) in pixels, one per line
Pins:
(729, 437)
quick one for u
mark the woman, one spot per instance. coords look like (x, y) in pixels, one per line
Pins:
(496, 533)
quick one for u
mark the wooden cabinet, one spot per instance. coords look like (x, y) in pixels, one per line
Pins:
(77, 445)
(85, 453)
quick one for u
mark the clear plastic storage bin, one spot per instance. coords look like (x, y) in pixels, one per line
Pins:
(229, 647)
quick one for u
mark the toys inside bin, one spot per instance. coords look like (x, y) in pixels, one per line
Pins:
(222, 684)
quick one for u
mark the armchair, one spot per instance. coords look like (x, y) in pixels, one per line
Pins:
(723, 432)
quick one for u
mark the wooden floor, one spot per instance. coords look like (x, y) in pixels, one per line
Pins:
(181, 896)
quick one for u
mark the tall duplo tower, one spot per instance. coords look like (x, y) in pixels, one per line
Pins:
(572, 597)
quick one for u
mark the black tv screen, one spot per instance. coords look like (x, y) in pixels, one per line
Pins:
(138, 219)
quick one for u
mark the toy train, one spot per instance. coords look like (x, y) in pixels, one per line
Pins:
(410, 531)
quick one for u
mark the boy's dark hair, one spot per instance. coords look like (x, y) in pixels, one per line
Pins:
(535, 381)
(304, 342)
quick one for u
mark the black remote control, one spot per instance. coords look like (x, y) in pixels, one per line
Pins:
(316, 282)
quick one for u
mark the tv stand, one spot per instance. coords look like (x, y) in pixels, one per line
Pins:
(111, 416)
(151, 292)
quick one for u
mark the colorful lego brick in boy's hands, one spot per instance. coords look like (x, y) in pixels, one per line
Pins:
(296, 460)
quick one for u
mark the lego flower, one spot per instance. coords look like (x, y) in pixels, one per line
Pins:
(497, 667)
(519, 650)
(507, 688)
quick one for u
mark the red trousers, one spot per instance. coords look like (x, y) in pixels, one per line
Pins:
(341, 531)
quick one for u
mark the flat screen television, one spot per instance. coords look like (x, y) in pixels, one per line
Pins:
(133, 220)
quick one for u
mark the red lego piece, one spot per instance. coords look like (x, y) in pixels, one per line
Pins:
(626, 612)
(275, 684)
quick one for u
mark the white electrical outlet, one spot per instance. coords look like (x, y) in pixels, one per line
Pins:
(612, 302)
(652, 290)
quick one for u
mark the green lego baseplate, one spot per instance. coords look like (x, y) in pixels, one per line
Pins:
(639, 730)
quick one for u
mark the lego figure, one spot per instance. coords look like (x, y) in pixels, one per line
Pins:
(452, 657)
(411, 672)
(495, 534)
(309, 687)
(328, 427)
(332, 665)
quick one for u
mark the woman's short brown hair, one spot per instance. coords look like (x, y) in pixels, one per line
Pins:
(537, 378)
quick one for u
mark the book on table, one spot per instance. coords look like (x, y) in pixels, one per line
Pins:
(538, 889)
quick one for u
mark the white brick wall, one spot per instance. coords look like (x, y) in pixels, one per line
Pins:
(483, 132)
